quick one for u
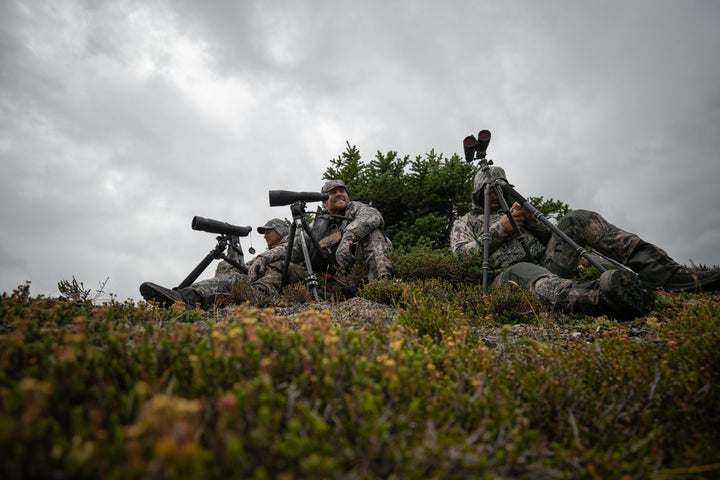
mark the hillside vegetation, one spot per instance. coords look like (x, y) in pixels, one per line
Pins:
(423, 376)
(439, 381)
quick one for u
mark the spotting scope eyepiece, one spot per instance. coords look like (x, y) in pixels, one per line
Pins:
(286, 197)
(215, 226)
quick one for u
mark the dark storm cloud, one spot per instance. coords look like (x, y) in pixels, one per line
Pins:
(121, 120)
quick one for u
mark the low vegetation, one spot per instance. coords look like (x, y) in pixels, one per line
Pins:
(453, 384)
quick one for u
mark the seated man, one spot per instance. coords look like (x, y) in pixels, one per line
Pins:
(339, 229)
(207, 292)
(620, 292)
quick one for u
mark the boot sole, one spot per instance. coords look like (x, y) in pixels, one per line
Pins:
(622, 292)
(155, 293)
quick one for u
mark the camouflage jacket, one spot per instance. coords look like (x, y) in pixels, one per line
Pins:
(360, 220)
(505, 249)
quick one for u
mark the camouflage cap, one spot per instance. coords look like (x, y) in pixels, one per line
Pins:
(330, 184)
(280, 226)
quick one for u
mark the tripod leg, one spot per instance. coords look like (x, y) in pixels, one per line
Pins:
(486, 239)
(516, 230)
(554, 228)
(311, 278)
(198, 270)
(288, 254)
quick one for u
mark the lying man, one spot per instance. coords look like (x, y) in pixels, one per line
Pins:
(620, 292)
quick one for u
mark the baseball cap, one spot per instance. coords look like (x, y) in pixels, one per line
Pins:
(280, 226)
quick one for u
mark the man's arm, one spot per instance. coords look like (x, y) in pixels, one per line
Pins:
(466, 235)
(365, 219)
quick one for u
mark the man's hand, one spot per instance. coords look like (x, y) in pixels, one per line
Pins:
(256, 269)
(345, 253)
(519, 213)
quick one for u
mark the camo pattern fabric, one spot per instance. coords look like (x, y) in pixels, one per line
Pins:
(227, 276)
(549, 289)
(236, 255)
(587, 228)
(505, 248)
(270, 282)
(364, 222)
(213, 289)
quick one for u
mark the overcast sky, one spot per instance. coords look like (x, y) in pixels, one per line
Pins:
(121, 120)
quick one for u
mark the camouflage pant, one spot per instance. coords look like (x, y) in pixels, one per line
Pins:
(549, 282)
(587, 228)
(547, 288)
(374, 248)
(271, 281)
(214, 289)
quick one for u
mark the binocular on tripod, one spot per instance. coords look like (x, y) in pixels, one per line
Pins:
(476, 148)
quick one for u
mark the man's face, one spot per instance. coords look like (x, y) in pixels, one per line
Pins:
(272, 238)
(337, 201)
(494, 202)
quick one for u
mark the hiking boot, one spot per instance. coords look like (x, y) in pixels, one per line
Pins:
(153, 292)
(657, 269)
(621, 292)
(689, 279)
(617, 293)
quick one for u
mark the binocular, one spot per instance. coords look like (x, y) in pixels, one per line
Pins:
(476, 148)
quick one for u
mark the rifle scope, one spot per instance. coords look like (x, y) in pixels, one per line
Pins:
(215, 226)
(286, 197)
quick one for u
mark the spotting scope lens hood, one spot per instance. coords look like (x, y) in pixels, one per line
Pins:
(286, 197)
(215, 226)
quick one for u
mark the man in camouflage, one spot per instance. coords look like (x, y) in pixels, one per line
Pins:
(343, 229)
(546, 274)
(212, 290)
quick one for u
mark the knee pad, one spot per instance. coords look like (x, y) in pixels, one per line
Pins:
(524, 274)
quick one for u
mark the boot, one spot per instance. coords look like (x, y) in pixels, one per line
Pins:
(617, 292)
(166, 297)
(657, 269)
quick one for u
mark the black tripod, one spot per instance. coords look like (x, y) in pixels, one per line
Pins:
(475, 149)
(298, 214)
(229, 237)
(224, 241)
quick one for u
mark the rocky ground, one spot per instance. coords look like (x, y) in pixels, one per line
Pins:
(358, 313)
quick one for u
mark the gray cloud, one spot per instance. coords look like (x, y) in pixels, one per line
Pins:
(119, 121)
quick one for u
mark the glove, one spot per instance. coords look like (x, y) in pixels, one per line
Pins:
(345, 253)
(256, 269)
